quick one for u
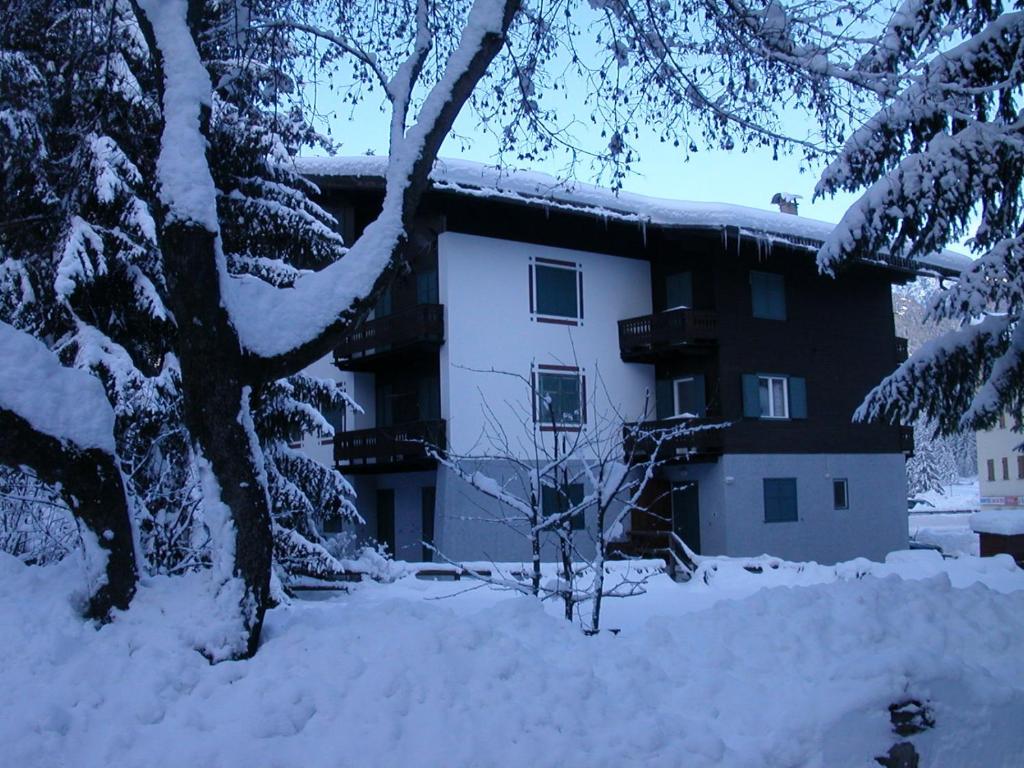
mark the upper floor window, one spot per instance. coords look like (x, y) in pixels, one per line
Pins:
(990, 465)
(556, 291)
(768, 295)
(679, 290)
(688, 396)
(774, 396)
(560, 397)
(555, 501)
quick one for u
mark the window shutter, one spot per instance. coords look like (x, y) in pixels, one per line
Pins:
(797, 397)
(759, 295)
(777, 297)
(751, 396)
(663, 400)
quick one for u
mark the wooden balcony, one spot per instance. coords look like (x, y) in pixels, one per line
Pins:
(399, 448)
(377, 341)
(648, 338)
(703, 445)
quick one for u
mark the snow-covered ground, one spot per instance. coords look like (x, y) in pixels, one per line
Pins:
(962, 496)
(945, 520)
(795, 666)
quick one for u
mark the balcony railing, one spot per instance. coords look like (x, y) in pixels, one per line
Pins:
(641, 440)
(642, 339)
(421, 326)
(388, 449)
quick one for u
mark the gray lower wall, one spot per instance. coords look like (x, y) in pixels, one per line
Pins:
(874, 525)
(470, 526)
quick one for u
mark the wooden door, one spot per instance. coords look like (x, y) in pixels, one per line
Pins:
(686, 513)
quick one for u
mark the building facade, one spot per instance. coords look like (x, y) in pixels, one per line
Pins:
(518, 298)
(1000, 467)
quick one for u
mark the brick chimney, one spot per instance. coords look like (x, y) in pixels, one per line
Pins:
(786, 201)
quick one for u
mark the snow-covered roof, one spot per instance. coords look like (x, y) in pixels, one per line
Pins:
(1004, 522)
(534, 188)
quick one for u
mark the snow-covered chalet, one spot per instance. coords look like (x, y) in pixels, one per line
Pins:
(717, 310)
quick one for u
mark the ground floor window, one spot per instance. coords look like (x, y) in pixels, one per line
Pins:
(780, 500)
(556, 501)
(559, 397)
(840, 494)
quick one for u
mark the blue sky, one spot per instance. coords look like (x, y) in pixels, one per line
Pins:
(743, 178)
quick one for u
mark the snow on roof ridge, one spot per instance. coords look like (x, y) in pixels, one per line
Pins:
(473, 177)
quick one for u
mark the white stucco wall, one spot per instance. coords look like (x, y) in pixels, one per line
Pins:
(484, 286)
(997, 444)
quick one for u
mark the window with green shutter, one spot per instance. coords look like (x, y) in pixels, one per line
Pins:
(780, 500)
(774, 396)
(768, 295)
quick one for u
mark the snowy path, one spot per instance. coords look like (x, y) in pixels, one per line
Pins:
(726, 673)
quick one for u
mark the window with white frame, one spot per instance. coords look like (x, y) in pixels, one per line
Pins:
(773, 395)
(560, 397)
(556, 291)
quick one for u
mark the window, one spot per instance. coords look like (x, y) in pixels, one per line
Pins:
(559, 396)
(1020, 467)
(780, 500)
(426, 287)
(840, 494)
(991, 465)
(553, 502)
(774, 396)
(688, 396)
(556, 291)
(336, 418)
(679, 290)
(768, 295)
(1002, 421)
(1006, 468)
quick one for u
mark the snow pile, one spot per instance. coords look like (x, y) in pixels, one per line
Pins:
(62, 402)
(531, 187)
(1004, 522)
(701, 675)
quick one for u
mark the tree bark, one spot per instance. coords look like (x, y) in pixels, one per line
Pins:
(215, 409)
(90, 484)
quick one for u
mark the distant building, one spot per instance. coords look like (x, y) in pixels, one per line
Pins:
(716, 310)
(1001, 467)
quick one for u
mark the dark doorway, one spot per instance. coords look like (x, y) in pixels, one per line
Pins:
(427, 498)
(386, 519)
(686, 514)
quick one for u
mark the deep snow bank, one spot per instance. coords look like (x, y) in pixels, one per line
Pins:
(716, 673)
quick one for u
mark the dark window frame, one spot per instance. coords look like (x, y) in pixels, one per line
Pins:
(1006, 468)
(991, 466)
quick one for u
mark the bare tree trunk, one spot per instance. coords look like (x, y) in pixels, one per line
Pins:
(216, 411)
(599, 556)
(90, 484)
